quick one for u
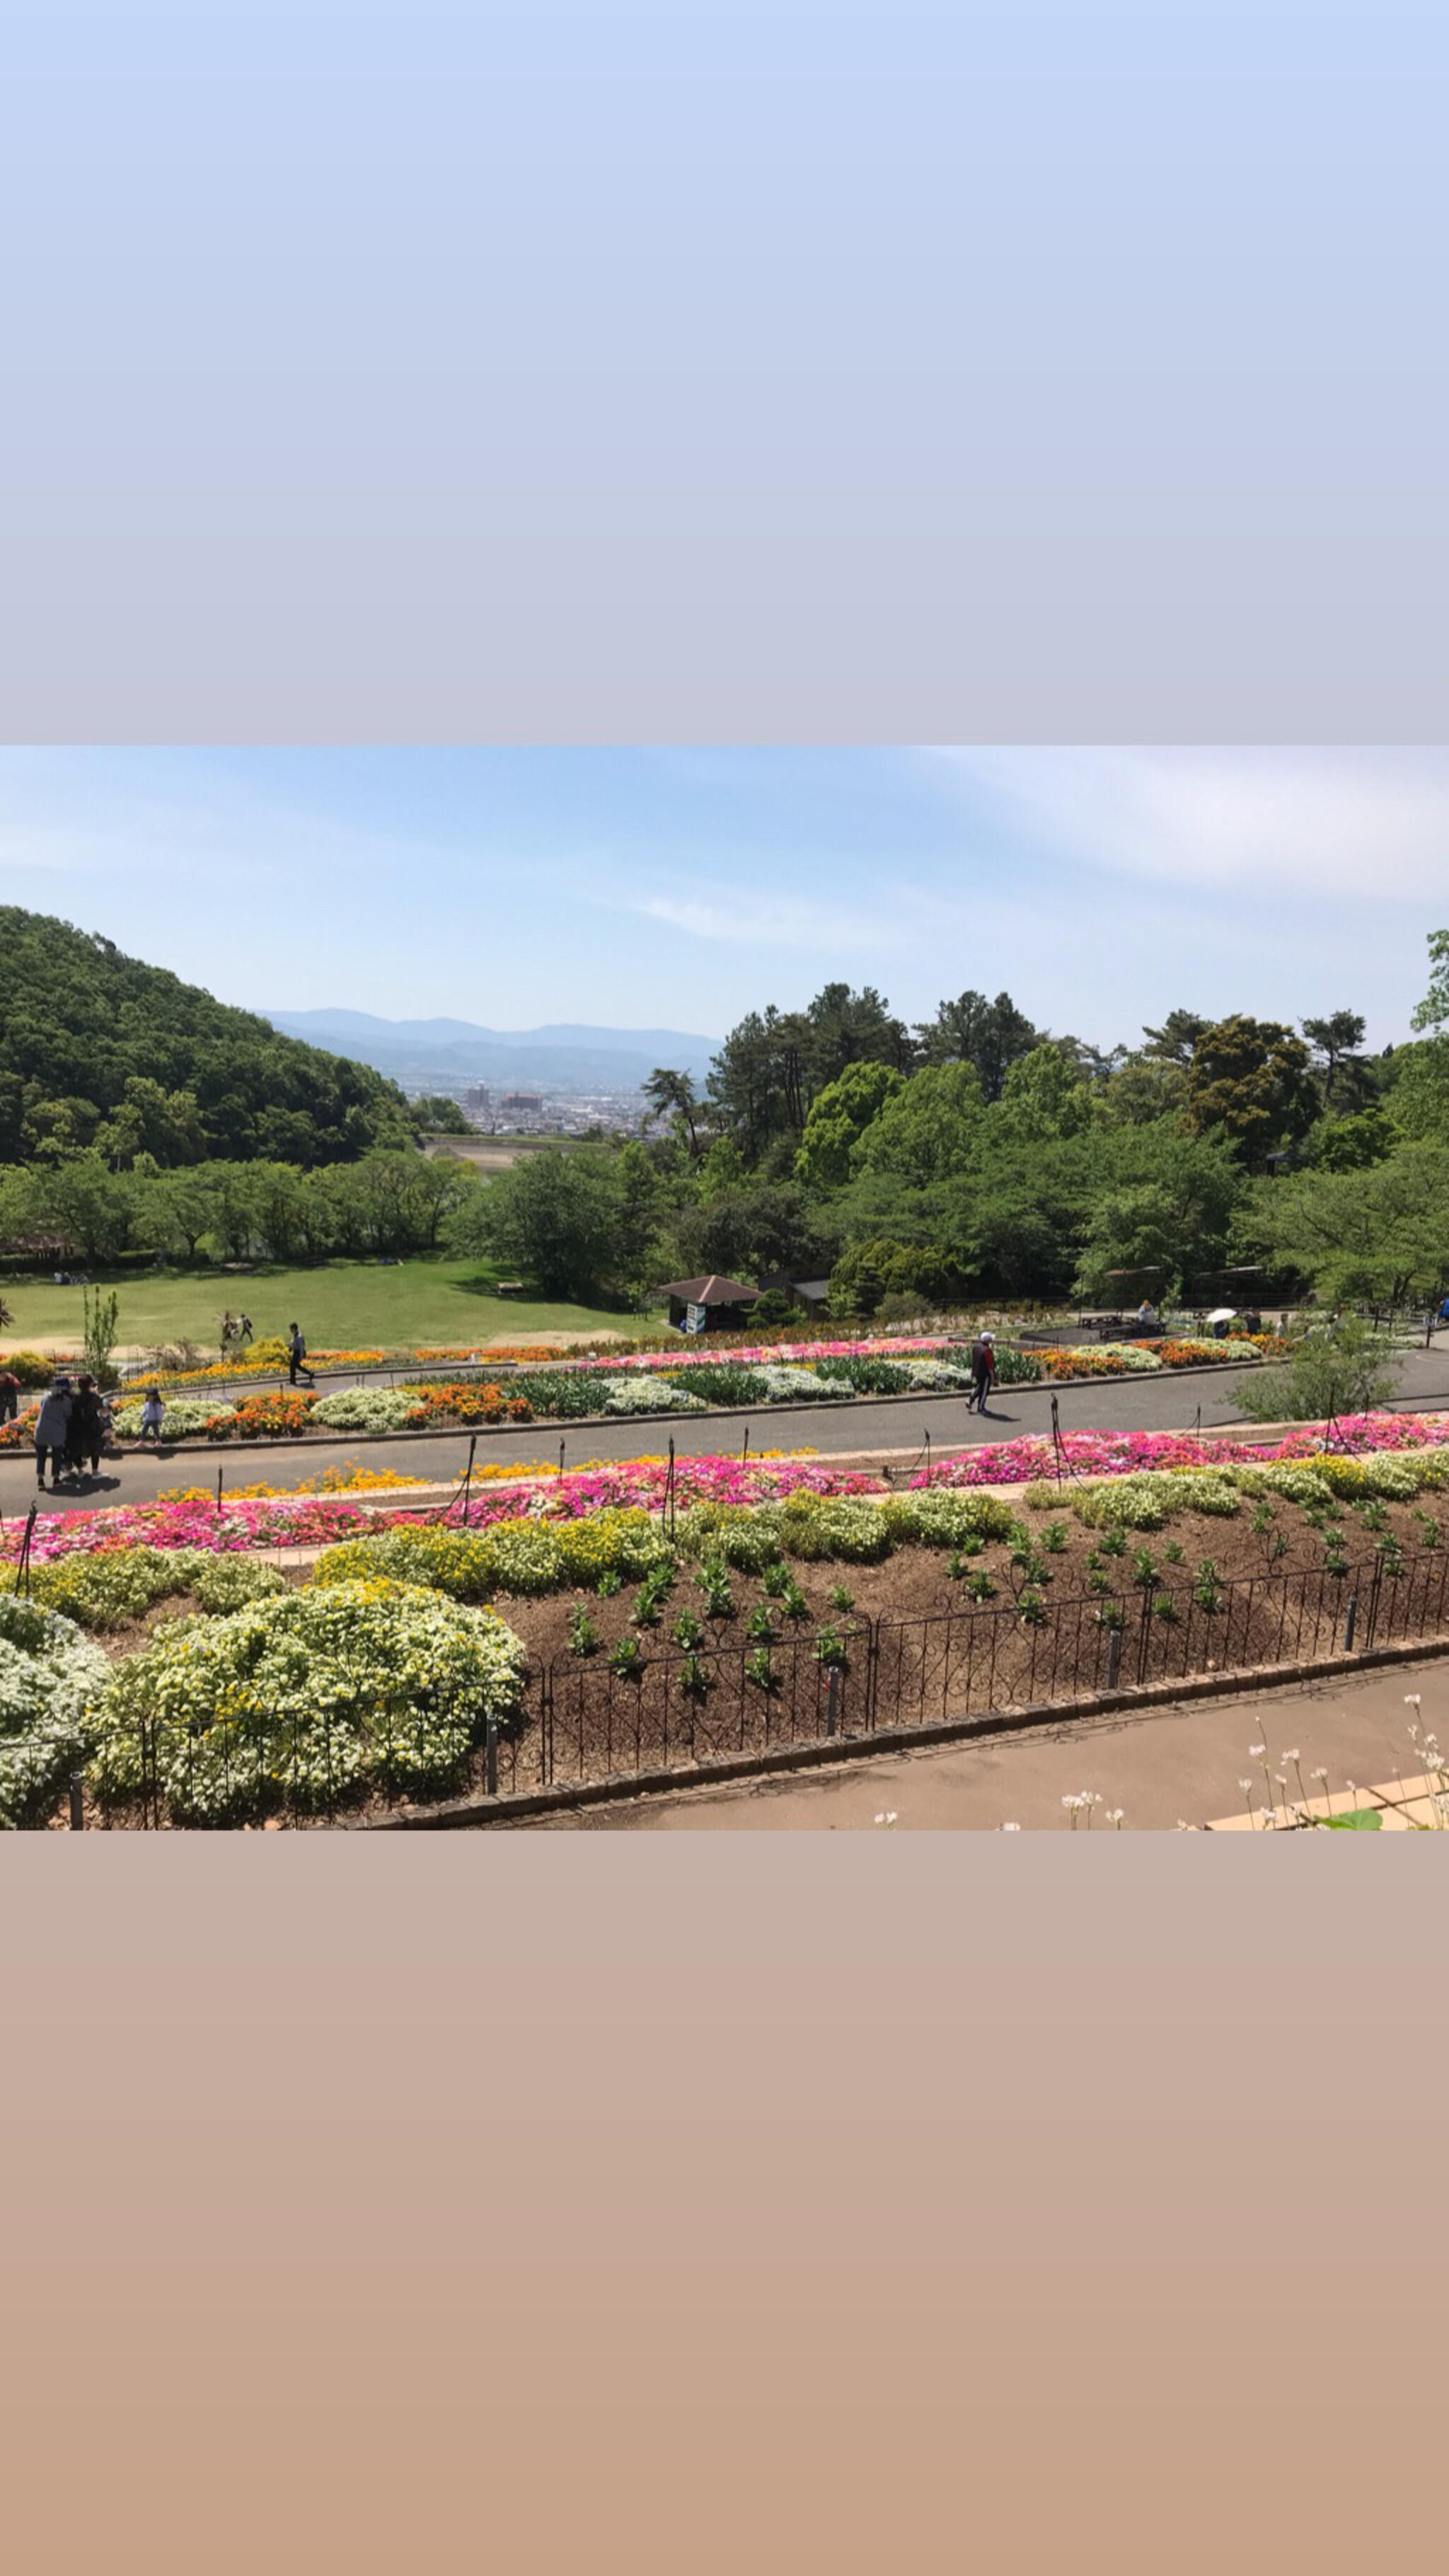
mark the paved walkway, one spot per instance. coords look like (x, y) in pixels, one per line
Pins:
(1163, 1403)
(1181, 1762)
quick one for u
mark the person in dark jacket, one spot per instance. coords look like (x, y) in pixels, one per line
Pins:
(87, 1428)
(9, 1395)
(297, 1355)
(983, 1370)
(52, 1434)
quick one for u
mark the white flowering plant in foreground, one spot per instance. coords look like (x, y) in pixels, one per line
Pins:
(51, 1682)
(306, 1700)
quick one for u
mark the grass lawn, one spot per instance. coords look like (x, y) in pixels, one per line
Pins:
(342, 1305)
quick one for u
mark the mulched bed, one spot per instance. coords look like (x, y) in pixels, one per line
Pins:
(919, 1651)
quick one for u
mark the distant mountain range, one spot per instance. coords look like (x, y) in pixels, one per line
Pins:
(562, 1058)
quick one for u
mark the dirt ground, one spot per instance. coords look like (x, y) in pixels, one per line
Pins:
(1179, 1763)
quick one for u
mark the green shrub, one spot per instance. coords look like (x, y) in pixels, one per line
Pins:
(943, 1515)
(722, 1382)
(222, 1584)
(867, 1377)
(813, 1526)
(511, 1556)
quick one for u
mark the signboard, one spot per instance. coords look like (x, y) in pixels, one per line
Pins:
(695, 1319)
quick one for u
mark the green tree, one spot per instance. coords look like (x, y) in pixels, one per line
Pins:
(869, 1273)
(1044, 1095)
(1250, 1078)
(1336, 1043)
(928, 1131)
(770, 1226)
(1141, 1090)
(671, 1094)
(838, 1118)
(555, 1220)
(438, 1115)
(1381, 1234)
(1177, 1040)
(1350, 1144)
(989, 1036)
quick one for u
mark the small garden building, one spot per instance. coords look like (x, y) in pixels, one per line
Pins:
(710, 1305)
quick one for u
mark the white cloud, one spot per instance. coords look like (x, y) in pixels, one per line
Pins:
(1346, 824)
(754, 920)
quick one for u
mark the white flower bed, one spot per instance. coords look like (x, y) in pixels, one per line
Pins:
(790, 1385)
(51, 1681)
(306, 1699)
(649, 1395)
(183, 1420)
(1127, 1355)
(943, 1377)
(359, 1408)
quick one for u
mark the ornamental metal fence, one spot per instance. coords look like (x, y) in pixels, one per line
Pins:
(587, 1720)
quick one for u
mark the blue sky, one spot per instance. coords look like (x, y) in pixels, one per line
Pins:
(680, 888)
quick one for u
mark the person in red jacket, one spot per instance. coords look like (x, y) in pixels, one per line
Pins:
(983, 1370)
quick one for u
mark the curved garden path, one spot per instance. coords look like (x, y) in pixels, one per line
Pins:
(1165, 1403)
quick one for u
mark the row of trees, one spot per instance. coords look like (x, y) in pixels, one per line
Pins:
(388, 1203)
(977, 1153)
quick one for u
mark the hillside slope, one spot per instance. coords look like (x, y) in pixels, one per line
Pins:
(97, 1048)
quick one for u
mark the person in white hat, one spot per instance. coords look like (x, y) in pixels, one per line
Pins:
(983, 1370)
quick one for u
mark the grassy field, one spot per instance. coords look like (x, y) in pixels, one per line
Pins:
(342, 1305)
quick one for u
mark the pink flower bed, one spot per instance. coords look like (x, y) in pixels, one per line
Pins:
(306, 1522)
(310, 1520)
(642, 1485)
(1126, 1453)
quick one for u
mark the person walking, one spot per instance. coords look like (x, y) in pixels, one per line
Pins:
(297, 1355)
(983, 1370)
(9, 1395)
(87, 1428)
(244, 1330)
(153, 1413)
(52, 1434)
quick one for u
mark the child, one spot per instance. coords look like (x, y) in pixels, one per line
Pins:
(152, 1415)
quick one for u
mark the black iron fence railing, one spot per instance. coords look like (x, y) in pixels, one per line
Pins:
(586, 1720)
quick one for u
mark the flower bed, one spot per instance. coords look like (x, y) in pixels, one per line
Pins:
(51, 1678)
(303, 1701)
(1125, 1453)
(365, 1408)
(262, 1417)
(180, 1421)
(308, 1521)
(467, 1403)
(1101, 1359)
(36, 1368)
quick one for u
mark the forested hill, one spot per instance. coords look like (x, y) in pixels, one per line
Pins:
(99, 1050)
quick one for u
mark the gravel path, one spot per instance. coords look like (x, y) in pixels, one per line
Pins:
(1164, 1403)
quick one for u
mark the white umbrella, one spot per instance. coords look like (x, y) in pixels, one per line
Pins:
(1222, 1314)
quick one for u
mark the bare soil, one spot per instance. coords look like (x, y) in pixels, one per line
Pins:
(919, 1651)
